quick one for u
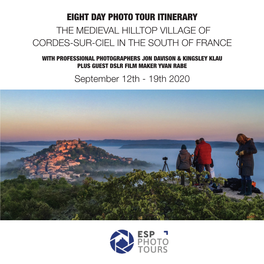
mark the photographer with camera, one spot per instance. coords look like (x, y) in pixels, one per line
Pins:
(245, 153)
(183, 162)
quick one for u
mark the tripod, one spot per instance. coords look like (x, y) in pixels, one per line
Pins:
(165, 166)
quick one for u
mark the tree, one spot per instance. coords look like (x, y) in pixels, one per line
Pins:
(43, 211)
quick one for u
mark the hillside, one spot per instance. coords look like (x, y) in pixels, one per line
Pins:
(72, 159)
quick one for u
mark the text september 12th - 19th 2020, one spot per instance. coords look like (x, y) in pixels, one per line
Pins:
(132, 79)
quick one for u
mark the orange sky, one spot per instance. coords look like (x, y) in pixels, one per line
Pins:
(51, 115)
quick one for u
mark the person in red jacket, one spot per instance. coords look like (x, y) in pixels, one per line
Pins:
(203, 153)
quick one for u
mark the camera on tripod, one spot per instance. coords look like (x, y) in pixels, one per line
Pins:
(165, 166)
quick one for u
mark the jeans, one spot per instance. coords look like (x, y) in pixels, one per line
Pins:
(246, 184)
(246, 179)
(207, 168)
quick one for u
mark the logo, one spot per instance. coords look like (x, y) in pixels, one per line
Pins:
(122, 241)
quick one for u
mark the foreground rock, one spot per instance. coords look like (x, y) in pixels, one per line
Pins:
(233, 194)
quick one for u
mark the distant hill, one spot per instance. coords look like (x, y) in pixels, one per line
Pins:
(176, 144)
(9, 148)
(150, 143)
(29, 143)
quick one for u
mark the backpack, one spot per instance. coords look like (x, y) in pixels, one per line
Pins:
(255, 190)
(233, 183)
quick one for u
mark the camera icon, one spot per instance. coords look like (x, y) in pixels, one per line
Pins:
(122, 241)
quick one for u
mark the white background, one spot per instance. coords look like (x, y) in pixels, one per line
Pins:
(22, 68)
(23, 21)
(89, 241)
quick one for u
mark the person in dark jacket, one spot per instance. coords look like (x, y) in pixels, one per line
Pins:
(195, 159)
(245, 153)
(203, 153)
(183, 161)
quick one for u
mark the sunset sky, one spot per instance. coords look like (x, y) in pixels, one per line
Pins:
(131, 114)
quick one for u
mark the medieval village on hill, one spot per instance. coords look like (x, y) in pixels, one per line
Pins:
(56, 162)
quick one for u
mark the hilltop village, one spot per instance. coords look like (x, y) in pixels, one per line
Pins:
(58, 161)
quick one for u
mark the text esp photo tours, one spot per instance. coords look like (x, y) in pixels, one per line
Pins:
(123, 241)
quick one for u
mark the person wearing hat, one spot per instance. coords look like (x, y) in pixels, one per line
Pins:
(183, 161)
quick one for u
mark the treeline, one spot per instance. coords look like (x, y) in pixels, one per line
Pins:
(24, 199)
(136, 196)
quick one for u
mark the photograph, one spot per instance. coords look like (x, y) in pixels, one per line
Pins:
(131, 132)
(132, 155)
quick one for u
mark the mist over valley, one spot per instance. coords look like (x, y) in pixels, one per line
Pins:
(149, 151)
